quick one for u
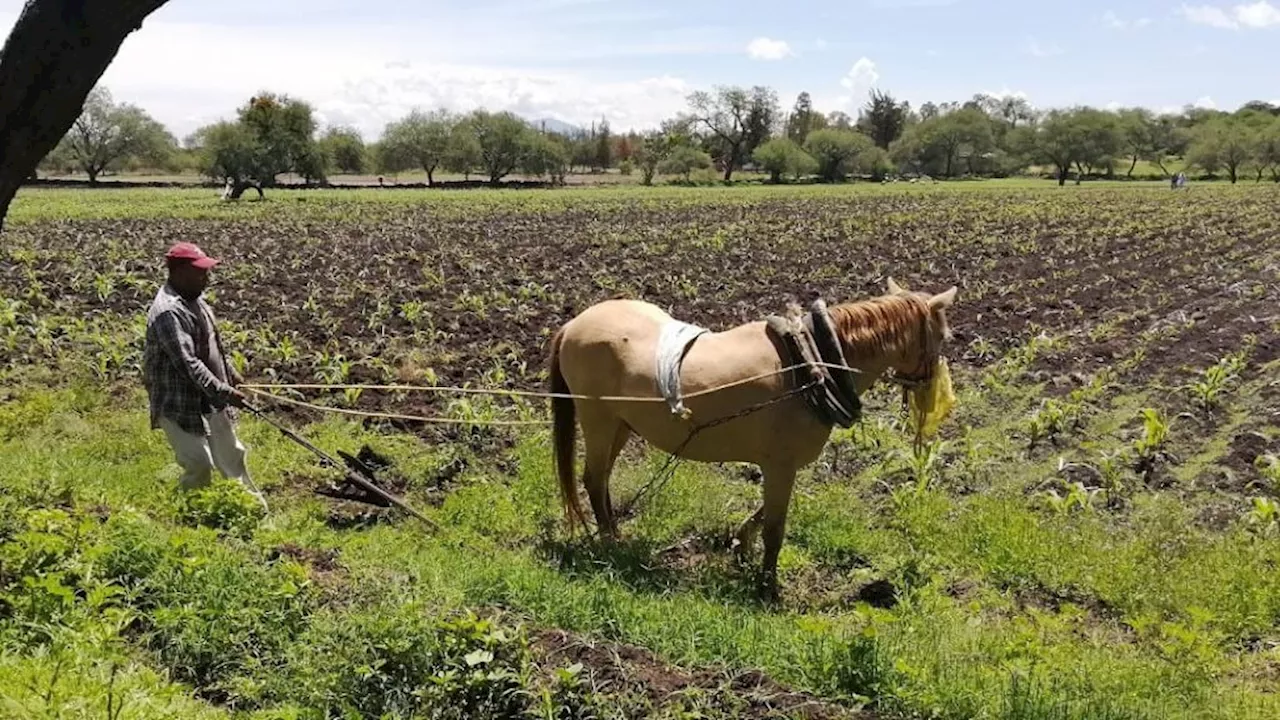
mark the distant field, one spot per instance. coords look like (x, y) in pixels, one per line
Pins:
(1143, 169)
(1095, 535)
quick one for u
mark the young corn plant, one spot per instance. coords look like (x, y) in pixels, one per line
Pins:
(1150, 448)
(1076, 497)
(1051, 420)
(1264, 515)
(1208, 391)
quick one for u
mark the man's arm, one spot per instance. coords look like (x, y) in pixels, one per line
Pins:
(178, 344)
(232, 376)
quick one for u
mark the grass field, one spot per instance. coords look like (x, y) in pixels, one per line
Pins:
(1096, 533)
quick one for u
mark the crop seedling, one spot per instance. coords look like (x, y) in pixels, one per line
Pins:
(1209, 390)
(1149, 448)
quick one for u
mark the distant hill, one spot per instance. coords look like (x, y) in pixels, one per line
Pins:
(556, 126)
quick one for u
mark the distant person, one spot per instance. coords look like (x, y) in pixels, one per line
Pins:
(189, 382)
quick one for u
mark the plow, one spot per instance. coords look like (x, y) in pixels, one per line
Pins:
(359, 482)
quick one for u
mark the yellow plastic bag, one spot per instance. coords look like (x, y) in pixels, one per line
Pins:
(931, 403)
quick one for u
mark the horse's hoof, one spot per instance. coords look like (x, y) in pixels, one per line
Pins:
(770, 595)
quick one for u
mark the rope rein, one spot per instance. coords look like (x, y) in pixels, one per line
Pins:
(258, 387)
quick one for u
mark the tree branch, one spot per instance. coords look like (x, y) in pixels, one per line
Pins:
(56, 53)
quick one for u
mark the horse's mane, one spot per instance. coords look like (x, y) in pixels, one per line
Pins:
(883, 325)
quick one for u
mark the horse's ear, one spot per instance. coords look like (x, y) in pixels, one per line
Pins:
(895, 288)
(943, 300)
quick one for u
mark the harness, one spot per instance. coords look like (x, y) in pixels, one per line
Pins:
(809, 339)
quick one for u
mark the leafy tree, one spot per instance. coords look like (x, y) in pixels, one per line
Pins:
(1267, 150)
(272, 135)
(682, 160)
(735, 120)
(1100, 138)
(649, 155)
(604, 147)
(874, 162)
(763, 118)
(344, 149)
(107, 136)
(942, 141)
(462, 155)
(1010, 111)
(1223, 143)
(1053, 140)
(839, 120)
(803, 119)
(502, 139)
(230, 151)
(782, 156)
(284, 129)
(836, 151)
(1146, 136)
(419, 140)
(883, 118)
(545, 155)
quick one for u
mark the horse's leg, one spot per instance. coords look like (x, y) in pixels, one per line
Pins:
(603, 436)
(619, 442)
(778, 483)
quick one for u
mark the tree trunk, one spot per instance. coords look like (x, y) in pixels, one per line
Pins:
(430, 176)
(1231, 172)
(93, 175)
(1062, 175)
(56, 53)
(1160, 164)
(1132, 165)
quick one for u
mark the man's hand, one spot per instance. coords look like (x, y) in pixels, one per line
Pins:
(236, 398)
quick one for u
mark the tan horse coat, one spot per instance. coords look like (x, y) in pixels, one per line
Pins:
(609, 350)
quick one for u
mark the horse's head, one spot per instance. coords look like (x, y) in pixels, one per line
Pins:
(920, 354)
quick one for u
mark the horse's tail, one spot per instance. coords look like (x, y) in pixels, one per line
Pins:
(563, 435)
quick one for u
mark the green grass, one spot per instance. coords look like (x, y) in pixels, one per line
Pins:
(115, 589)
(34, 204)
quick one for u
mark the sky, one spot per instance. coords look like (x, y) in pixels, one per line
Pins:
(368, 62)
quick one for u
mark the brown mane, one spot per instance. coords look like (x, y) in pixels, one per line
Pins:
(888, 325)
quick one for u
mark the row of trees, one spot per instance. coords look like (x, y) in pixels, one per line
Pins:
(727, 128)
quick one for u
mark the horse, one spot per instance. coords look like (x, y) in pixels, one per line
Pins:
(607, 351)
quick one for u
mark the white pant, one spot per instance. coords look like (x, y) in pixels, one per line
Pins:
(198, 455)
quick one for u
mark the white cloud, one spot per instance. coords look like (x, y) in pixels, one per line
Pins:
(1042, 51)
(1006, 92)
(190, 74)
(1115, 22)
(1257, 15)
(858, 81)
(763, 48)
(1205, 103)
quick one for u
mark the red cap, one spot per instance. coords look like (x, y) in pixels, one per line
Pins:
(189, 251)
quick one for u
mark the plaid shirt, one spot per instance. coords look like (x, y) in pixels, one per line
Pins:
(183, 381)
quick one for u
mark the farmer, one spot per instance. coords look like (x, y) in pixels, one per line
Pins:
(190, 384)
